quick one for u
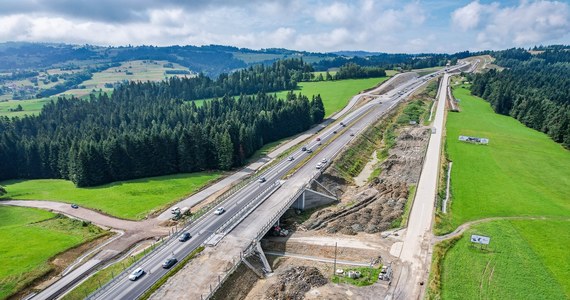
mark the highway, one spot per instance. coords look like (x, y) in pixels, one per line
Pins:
(204, 228)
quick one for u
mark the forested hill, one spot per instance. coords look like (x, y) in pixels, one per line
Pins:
(281, 75)
(534, 89)
(147, 129)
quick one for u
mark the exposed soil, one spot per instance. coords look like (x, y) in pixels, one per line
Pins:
(238, 284)
(294, 283)
(373, 208)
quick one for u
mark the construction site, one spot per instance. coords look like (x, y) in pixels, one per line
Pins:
(347, 249)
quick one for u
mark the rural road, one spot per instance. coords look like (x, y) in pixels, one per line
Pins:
(417, 244)
(84, 214)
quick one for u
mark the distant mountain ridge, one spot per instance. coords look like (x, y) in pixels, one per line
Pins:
(210, 60)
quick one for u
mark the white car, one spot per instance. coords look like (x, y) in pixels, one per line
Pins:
(291, 158)
(324, 161)
(138, 272)
(319, 165)
(219, 211)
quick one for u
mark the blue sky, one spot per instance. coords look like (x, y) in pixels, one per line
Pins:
(313, 25)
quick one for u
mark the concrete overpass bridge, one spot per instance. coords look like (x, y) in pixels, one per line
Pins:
(252, 210)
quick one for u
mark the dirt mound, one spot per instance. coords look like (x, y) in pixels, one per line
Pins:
(295, 282)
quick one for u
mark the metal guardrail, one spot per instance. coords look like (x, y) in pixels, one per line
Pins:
(188, 225)
(247, 209)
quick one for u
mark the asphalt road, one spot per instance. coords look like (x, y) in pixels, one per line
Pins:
(202, 229)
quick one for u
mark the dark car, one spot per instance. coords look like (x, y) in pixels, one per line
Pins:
(334, 132)
(184, 237)
(74, 206)
(304, 148)
(169, 262)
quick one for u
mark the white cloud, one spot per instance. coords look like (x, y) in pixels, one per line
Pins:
(334, 14)
(313, 25)
(526, 24)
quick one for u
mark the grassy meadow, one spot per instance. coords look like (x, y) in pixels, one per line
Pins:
(30, 237)
(335, 94)
(132, 199)
(30, 107)
(521, 173)
(526, 259)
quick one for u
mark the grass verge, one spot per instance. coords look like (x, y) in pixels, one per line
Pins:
(103, 276)
(132, 199)
(434, 283)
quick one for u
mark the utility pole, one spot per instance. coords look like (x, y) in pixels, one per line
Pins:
(334, 267)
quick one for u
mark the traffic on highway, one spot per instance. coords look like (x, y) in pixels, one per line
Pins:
(134, 281)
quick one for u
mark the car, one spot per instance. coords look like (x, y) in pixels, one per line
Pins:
(136, 274)
(175, 210)
(334, 132)
(304, 148)
(74, 206)
(319, 165)
(184, 237)
(219, 211)
(351, 134)
(324, 161)
(169, 262)
(342, 124)
(318, 139)
(309, 151)
(291, 158)
(261, 179)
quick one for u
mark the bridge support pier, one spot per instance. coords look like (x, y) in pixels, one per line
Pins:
(254, 269)
(263, 258)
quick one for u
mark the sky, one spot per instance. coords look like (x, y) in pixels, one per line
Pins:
(310, 25)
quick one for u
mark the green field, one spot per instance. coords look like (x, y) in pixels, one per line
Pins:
(335, 94)
(31, 107)
(526, 259)
(30, 237)
(142, 70)
(522, 172)
(133, 199)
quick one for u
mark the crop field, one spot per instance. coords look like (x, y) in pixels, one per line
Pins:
(30, 107)
(133, 199)
(140, 70)
(526, 259)
(335, 94)
(30, 237)
(522, 172)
